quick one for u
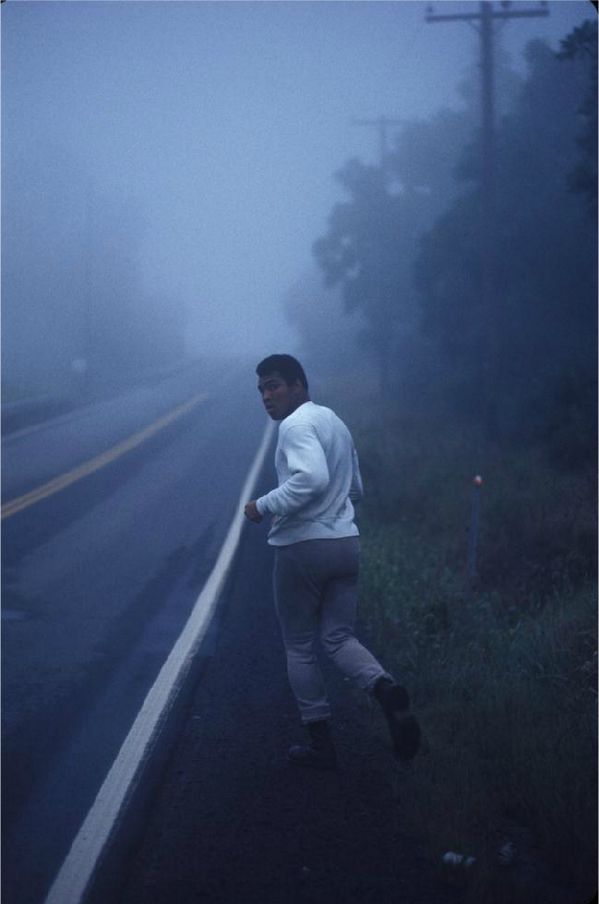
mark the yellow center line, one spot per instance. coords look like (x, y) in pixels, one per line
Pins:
(94, 464)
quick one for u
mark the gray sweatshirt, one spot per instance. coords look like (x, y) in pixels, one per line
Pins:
(319, 478)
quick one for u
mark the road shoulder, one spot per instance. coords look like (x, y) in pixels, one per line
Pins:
(233, 821)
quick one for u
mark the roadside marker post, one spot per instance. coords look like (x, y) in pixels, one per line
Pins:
(473, 532)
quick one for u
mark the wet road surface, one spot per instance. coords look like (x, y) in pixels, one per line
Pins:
(97, 581)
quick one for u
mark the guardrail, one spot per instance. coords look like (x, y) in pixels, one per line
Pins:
(16, 415)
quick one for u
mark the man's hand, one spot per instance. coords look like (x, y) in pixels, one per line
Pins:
(252, 513)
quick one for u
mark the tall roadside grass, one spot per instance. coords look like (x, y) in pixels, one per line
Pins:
(503, 675)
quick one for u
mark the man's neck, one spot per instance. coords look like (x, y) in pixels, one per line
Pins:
(298, 405)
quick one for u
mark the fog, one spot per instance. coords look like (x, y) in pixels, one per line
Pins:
(168, 166)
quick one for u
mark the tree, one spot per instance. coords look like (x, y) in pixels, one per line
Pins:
(360, 253)
(581, 44)
(372, 240)
(543, 322)
(71, 282)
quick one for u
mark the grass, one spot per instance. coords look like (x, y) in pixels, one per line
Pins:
(503, 674)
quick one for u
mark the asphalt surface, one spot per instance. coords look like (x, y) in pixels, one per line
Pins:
(97, 582)
(233, 821)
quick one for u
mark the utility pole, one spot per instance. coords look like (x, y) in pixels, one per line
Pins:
(382, 124)
(81, 365)
(486, 14)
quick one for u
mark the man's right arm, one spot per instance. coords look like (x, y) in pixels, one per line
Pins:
(309, 473)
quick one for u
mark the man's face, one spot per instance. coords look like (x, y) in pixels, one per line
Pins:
(280, 398)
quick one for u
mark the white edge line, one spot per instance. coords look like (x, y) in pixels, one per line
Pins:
(77, 870)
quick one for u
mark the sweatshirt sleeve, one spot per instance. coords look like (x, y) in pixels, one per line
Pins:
(356, 490)
(308, 473)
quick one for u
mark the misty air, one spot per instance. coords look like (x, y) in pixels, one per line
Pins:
(299, 444)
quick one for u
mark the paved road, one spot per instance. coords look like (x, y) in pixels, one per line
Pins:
(234, 822)
(97, 581)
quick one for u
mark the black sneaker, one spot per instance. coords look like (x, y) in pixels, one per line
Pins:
(319, 753)
(403, 725)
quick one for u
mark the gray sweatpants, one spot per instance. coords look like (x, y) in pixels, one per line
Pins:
(316, 595)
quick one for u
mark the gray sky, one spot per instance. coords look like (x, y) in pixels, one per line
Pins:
(224, 122)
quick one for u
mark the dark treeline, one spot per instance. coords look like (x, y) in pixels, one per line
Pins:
(76, 314)
(404, 250)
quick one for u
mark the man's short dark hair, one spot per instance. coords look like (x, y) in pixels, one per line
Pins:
(286, 365)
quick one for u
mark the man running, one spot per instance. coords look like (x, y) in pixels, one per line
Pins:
(317, 561)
